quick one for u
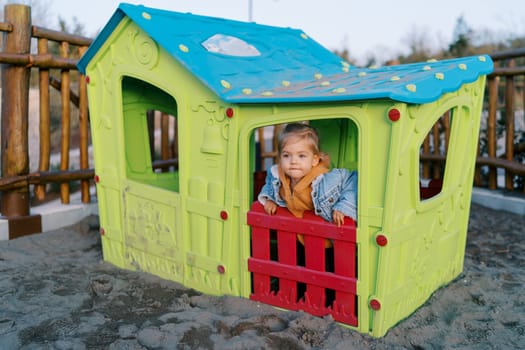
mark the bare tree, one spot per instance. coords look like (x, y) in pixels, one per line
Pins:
(462, 39)
(419, 45)
(40, 10)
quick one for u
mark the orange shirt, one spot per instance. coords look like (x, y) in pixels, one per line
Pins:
(299, 198)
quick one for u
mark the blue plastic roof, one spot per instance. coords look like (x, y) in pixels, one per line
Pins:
(252, 63)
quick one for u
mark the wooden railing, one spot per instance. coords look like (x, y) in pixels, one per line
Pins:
(55, 62)
(505, 98)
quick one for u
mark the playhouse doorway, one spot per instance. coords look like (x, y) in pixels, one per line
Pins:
(304, 274)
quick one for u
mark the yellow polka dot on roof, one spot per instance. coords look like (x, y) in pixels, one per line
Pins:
(411, 87)
(225, 84)
(183, 48)
(146, 15)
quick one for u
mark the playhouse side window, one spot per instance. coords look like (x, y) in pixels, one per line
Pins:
(433, 156)
(150, 134)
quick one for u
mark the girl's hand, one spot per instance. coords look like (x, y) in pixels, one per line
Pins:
(270, 207)
(338, 217)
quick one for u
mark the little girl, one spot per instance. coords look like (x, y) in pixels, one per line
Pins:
(303, 181)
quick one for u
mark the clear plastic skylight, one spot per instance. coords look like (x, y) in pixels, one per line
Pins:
(230, 45)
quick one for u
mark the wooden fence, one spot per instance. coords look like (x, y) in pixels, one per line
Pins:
(506, 98)
(57, 56)
(54, 63)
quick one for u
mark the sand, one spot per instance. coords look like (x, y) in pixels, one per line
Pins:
(57, 293)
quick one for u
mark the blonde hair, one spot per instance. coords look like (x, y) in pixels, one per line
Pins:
(299, 131)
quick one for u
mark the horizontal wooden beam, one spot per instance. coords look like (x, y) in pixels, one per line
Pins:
(54, 35)
(43, 177)
(41, 61)
(512, 166)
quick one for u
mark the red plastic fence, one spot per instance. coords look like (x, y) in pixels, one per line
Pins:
(309, 277)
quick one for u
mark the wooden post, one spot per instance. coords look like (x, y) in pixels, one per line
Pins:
(45, 120)
(165, 138)
(66, 123)
(493, 84)
(83, 115)
(15, 204)
(509, 127)
(436, 167)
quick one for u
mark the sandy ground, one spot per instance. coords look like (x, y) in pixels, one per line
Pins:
(57, 293)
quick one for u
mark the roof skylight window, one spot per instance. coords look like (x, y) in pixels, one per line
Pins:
(230, 46)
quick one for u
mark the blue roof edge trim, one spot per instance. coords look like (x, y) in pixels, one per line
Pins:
(115, 19)
(387, 83)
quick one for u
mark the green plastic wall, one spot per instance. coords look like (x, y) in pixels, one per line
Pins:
(190, 225)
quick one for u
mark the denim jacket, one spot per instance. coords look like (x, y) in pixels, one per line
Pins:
(336, 189)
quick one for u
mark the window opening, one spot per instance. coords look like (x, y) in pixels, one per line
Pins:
(433, 155)
(150, 134)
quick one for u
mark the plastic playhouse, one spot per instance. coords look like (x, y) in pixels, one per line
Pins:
(195, 220)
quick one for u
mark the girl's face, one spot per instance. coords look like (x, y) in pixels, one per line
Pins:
(297, 159)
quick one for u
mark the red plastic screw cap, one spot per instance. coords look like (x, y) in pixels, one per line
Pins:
(87, 79)
(221, 269)
(375, 304)
(97, 178)
(381, 240)
(394, 114)
(224, 215)
(229, 112)
(102, 231)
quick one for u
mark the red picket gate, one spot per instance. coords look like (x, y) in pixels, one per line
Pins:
(307, 277)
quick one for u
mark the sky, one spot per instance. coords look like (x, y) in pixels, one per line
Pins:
(380, 28)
